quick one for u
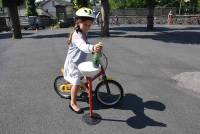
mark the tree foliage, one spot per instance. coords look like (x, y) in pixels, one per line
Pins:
(116, 4)
(121, 4)
(7, 3)
(31, 8)
(191, 6)
(77, 4)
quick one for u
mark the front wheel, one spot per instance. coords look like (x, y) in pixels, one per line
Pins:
(109, 93)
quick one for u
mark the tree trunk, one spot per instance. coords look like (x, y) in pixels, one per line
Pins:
(150, 16)
(14, 17)
(105, 18)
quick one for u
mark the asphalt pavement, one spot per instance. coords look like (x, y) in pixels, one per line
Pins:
(143, 62)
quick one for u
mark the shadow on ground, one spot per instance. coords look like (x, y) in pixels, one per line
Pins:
(140, 29)
(95, 34)
(61, 35)
(185, 35)
(92, 34)
(191, 28)
(156, 29)
(181, 37)
(168, 35)
(9, 35)
(136, 104)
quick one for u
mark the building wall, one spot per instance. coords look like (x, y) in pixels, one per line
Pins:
(3, 12)
(21, 10)
(50, 7)
(69, 11)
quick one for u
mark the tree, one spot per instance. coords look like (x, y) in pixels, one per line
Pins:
(150, 17)
(14, 16)
(198, 5)
(31, 8)
(37, 3)
(105, 18)
(77, 4)
(121, 4)
(194, 6)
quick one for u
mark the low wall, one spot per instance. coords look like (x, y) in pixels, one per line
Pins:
(142, 11)
(177, 19)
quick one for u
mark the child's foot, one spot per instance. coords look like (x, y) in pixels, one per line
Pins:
(75, 109)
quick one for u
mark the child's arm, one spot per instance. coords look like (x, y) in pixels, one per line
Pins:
(81, 44)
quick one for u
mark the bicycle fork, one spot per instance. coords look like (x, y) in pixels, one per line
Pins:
(106, 83)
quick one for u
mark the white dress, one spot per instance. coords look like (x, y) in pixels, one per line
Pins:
(77, 53)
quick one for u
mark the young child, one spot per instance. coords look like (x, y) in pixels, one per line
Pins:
(77, 53)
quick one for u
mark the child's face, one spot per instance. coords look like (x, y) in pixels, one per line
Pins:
(85, 25)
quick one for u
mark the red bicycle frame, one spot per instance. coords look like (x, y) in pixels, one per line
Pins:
(102, 72)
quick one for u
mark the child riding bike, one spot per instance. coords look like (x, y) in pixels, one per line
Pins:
(77, 53)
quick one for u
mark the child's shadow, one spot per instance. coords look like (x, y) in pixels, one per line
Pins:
(137, 105)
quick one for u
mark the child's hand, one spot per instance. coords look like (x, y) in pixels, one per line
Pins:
(97, 47)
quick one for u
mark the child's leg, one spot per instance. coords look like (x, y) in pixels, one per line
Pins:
(74, 91)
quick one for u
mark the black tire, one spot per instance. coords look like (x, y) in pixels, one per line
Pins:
(104, 97)
(57, 82)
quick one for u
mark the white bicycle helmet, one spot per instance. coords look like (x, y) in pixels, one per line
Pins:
(85, 12)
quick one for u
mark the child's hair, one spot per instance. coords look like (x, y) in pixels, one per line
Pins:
(77, 28)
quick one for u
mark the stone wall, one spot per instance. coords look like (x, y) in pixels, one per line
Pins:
(177, 19)
(138, 16)
(187, 19)
(141, 11)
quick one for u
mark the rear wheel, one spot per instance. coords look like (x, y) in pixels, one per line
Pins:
(60, 86)
(109, 93)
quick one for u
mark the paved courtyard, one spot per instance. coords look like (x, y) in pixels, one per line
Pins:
(143, 62)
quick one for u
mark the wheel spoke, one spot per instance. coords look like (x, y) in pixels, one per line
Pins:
(109, 92)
